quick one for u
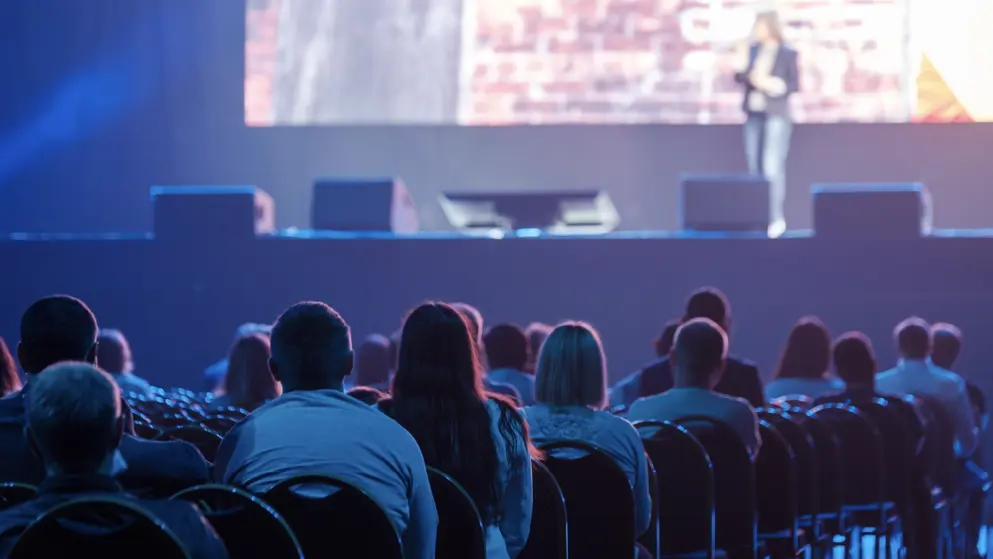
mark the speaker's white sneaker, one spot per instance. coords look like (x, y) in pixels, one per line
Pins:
(777, 228)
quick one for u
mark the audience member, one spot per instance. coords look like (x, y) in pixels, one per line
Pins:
(114, 357)
(699, 355)
(314, 427)
(663, 344)
(804, 366)
(537, 333)
(62, 328)
(915, 374)
(10, 380)
(214, 375)
(946, 343)
(373, 363)
(368, 395)
(571, 394)
(474, 322)
(75, 425)
(740, 378)
(507, 354)
(248, 383)
(479, 440)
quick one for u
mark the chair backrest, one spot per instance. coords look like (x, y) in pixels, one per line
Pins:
(248, 526)
(460, 529)
(939, 442)
(789, 401)
(650, 539)
(861, 452)
(734, 483)
(333, 518)
(220, 424)
(601, 514)
(146, 430)
(98, 527)
(830, 464)
(549, 536)
(775, 483)
(898, 456)
(13, 493)
(204, 439)
(808, 479)
(685, 489)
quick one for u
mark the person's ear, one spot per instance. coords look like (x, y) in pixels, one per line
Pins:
(274, 370)
(349, 363)
(91, 356)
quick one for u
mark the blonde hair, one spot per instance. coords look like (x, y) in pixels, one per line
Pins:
(769, 18)
(572, 370)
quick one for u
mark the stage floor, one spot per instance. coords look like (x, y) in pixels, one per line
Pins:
(180, 303)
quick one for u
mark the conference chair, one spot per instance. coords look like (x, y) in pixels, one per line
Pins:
(650, 539)
(205, 440)
(249, 527)
(220, 424)
(685, 490)
(600, 514)
(332, 518)
(776, 495)
(793, 401)
(460, 529)
(734, 485)
(549, 535)
(98, 527)
(13, 493)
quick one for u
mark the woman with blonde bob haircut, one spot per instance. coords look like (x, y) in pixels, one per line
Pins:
(571, 393)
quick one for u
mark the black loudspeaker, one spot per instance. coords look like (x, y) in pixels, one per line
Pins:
(734, 203)
(198, 213)
(875, 211)
(373, 204)
(573, 212)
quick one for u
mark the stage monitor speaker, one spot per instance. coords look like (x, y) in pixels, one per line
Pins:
(363, 204)
(874, 211)
(198, 213)
(573, 212)
(732, 203)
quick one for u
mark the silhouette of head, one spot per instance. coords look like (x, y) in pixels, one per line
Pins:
(913, 338)
(698, 353)
(854, 360)
(311, 348)
(946, 344)
(808, 351)
(55, 329)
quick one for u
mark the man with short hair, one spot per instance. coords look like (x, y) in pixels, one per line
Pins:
(62, 328)
(698, 355)
(374, 363)
(114, 358)
(474, 323)
(915, 374)
(315, 428)
(946, 343)
(74, 424)
(741, 377)
(507, 355)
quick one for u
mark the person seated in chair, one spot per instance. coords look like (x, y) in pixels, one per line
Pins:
(74, 424)
(315, 428)
(474, 322)
(374, 363)
(114, 358)
(507, 355)
(62, 328)
(698, 358)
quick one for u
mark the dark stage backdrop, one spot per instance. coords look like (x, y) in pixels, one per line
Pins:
(104, 98)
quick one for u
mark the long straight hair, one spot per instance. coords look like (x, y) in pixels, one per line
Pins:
(248, 382)
(438, 397)
(808, 351)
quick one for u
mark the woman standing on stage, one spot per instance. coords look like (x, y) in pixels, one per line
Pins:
(769, 78)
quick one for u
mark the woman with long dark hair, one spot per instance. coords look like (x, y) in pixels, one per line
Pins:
(804, 368)
(477, 438)
(248, 383)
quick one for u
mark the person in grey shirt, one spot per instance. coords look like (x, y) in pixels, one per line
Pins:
(315, 428)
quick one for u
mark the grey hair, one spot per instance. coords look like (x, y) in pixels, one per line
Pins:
(572, 369)
(73, 411)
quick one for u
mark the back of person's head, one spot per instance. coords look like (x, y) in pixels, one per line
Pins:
(10, 381)
(537, 333)
(698, 353)
(473, 319)
(114, 352)
(311, 348)
(248, 382)
(74, 418)
(913, 338)
(373, 361)
(368, 395)
(438, 397)
(506, 347)
(710, 303)
(663, 344)
(572, 369)
(55, 329)
(808, 351)
(854, 359)
(946, 344)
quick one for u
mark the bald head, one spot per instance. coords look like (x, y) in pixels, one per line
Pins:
(54, 329)
(698, 353)
(73, 417)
